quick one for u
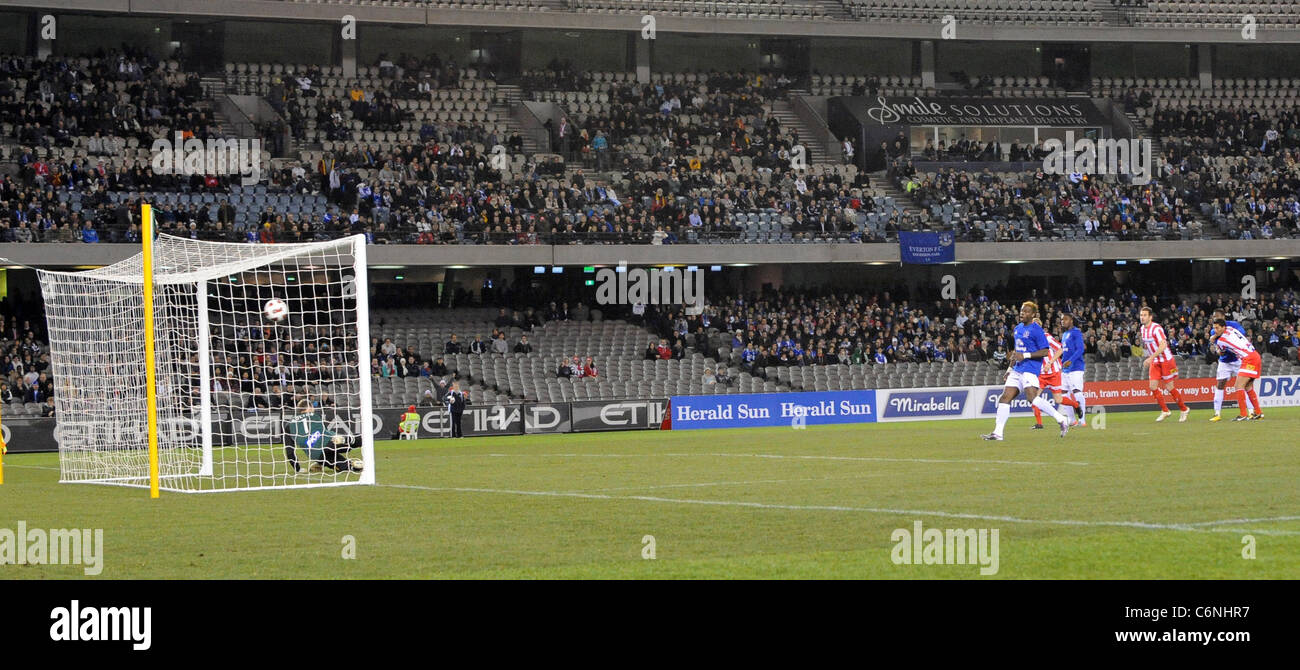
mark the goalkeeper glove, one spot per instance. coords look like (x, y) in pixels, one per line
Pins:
(338, 440)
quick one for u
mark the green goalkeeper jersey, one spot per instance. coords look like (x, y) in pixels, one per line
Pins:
(309, 434)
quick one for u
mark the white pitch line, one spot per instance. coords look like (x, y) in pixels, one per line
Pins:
(884, 459)
(705, 484)
(30, 467)
(895, 460)
(1259, 520)
(833, 508)
(1252, 531)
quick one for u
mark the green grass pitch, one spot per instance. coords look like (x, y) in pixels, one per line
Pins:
(1135, 500)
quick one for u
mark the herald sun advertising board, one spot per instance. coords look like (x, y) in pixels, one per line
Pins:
(750, 410)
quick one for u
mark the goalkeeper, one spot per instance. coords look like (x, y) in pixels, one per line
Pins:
(307, 432)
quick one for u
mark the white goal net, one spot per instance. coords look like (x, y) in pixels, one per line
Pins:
(234, 386)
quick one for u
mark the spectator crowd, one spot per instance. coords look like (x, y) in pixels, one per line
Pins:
(675, 162)
(815, 327)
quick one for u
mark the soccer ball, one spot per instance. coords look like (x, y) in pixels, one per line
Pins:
(357, 464)
(275, 309)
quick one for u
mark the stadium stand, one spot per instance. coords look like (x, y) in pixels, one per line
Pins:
(1009, 206)
(1221, 14)
(400, 152)
(730, 9)
(26, 386)
(1038, 12)
(904, 86)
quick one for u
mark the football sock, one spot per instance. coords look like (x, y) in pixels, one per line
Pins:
(1041, 403)
(1178, 397)
(1004, 413)
(1160, 399)
(293, 458)
(1254, 400)
(1241, 402)
(1218, 400)
(1038, 416)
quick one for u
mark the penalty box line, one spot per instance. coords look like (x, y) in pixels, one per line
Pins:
(1141, 525)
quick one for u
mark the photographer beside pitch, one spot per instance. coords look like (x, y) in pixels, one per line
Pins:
(324, 449)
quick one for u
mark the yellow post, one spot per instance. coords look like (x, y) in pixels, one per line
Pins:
(150, 372)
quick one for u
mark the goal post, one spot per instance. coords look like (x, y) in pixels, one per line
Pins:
(148, 310)
(227, 377)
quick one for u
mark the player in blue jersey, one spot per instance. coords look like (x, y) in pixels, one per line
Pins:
(1026, 362)
(1228, 367)
(1072, 368)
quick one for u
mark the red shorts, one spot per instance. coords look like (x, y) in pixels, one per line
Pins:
(1164, 370)
(1052, 381)
(1251, 365)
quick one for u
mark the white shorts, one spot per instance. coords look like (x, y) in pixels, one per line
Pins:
(1021, 380)
(1072, 381)
(1227, 370)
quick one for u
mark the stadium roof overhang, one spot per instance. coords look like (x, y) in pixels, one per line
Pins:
(551, 20)
(82, 255)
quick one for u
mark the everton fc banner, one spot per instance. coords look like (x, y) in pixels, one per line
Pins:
(926, 248)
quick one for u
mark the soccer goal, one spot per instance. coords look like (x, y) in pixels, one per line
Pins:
(232, 365)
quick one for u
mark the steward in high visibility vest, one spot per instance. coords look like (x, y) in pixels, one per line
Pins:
(409, 426)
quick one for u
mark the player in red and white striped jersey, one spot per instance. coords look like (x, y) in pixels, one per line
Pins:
(1163, 369)
(1251, 364)
(1050, 377)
